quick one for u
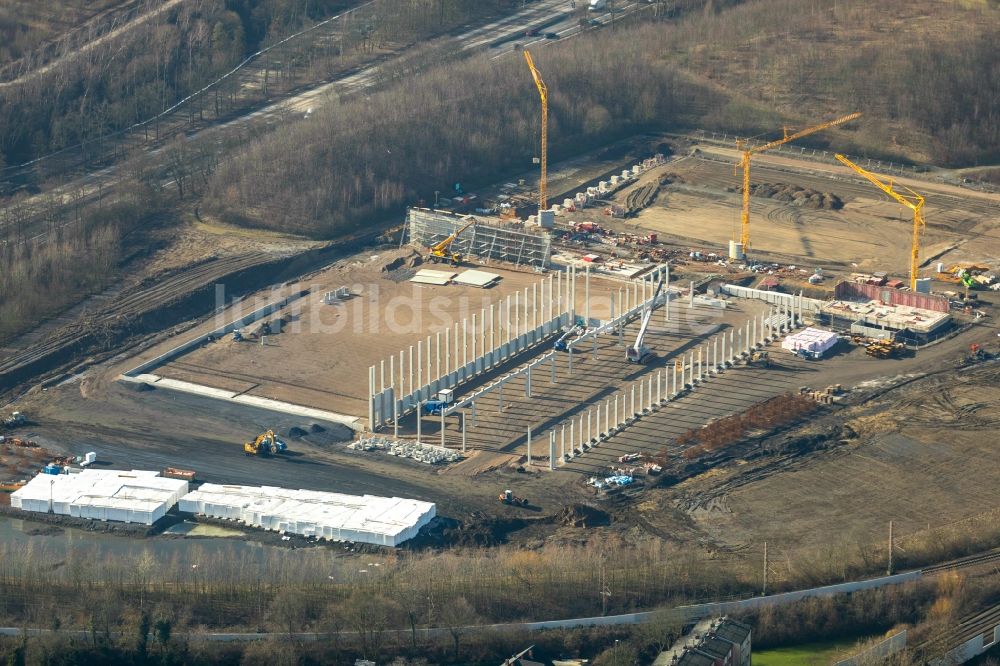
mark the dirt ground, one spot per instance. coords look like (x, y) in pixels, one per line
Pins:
(321, 357)
(871, 232)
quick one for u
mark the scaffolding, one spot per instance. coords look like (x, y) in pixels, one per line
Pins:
(487, 240)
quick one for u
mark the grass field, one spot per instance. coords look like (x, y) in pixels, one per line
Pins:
(809, 654)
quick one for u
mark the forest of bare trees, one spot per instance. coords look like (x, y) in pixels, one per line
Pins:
(477, 121)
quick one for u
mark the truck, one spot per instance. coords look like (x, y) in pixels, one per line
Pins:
(175, 473)
(509, 498)
(435, 406)
(597, 5)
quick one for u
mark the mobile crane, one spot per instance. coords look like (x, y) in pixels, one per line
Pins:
(562, 344)
(638, 352)
(440, 251)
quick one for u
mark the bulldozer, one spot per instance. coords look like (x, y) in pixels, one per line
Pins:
(267, 443)
(440, 253)
(759, 359)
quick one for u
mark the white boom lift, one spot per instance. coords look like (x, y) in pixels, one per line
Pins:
(638, 352)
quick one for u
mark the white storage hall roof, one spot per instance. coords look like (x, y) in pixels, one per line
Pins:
(387, 521)
(135, 496)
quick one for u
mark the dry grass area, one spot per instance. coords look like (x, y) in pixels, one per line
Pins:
(924, 465)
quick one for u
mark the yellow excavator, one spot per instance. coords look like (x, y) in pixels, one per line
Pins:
(266, 443)
(440, 252)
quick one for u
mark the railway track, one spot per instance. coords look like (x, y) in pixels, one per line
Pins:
(963, 563)
(122, 316)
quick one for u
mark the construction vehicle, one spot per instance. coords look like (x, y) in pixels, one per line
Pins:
(629, 457)
(759, 359)
(16, 419)
(267, 443)
(884, 348)
(509, 498)
(440, 403)
(747, 153)
(638, 352)
(912, 200)
(440, 253)
(562, 344)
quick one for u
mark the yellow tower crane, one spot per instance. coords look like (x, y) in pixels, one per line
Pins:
(911, 200)
(543, 92)
(747, 153)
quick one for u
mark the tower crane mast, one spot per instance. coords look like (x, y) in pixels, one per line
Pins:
(747, 153)
(543, 93)
(910, 199)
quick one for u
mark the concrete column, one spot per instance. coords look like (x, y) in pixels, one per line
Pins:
(447, 351)
(534, 308)
(420, 409)
(581, 434)
(586, 294)
(559, 293)
(607, 413)
(392, 372)
(632, 411)
(683, 374)
(699, 364)
(748, 338)
(402, 373)
(691, 368)
(572, 297)
(442, 428)
(802, 308)
(659, 388)
(739, 343)
(465, 341)
(666, 294)
(572, 439)
(381, 371)
(527, 383)
(649, 394)
(524, 314)
(715, 353)
(732, 353)
(463, 432)
(428, 359)
(411, 369)
(492, 332)
(529, 445)
(420, 366)
(516, 328)
(395, 416)
(618, 420)
(753, 335)
(590, 426)
(475, 348)
(437, 367)
(674, 391)
(562, 439)
(691, 295)
(479, 334)
(371, 398)
(552, 450)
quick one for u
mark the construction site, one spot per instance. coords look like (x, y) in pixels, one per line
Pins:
(666, 334)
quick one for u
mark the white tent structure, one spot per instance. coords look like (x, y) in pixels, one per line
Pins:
(387, 521)
(813, 341)
(135, 496)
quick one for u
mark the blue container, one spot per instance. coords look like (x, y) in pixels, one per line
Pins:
(52, 469)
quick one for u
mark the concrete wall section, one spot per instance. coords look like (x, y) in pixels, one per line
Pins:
(851, 291)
